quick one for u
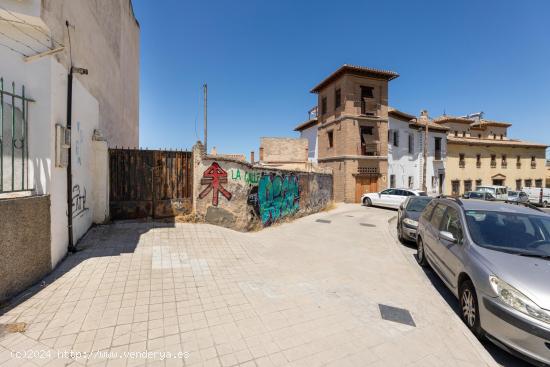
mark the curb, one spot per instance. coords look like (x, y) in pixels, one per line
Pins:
(476, 344)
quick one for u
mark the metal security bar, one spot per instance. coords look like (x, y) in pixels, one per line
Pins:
(14, 147)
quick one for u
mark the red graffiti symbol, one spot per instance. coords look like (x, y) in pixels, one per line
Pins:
(214, 176)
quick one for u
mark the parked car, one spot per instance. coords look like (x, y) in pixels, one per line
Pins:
(389, 198)
(495, 258)
(481, 195)
(534, 194)
(407, 216)
(518, 196)
(499, 192)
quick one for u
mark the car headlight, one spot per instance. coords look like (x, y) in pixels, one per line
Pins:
(410, 222)
(517, 300)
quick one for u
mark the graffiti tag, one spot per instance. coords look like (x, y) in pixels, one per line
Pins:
(277, 196)
(251, 178)
(214, 177)
(78, 201)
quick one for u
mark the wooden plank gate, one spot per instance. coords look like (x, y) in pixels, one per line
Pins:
(150, 183)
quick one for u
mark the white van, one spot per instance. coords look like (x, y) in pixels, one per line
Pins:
(499, 192)
(534, 195)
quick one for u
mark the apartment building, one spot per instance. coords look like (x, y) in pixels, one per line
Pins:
(406, 140)
(352, 129)
(479, 152)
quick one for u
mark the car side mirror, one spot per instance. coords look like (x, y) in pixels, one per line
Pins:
(447, 236)
(401, 206)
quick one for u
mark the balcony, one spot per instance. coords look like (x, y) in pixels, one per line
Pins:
(493, 164)
(478, 164)
(518, 165)
(461, 164)
(370, 149)
(533, 164)
(369, 107)
(504, 164)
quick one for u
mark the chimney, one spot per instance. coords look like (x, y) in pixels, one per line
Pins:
(261, 154)
(252, 157)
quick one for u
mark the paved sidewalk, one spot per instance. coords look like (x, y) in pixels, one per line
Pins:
(305, 293)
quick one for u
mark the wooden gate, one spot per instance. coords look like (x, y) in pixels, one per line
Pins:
(150, 183)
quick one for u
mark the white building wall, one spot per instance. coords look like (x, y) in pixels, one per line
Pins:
(403, 164)
(45, 81)
(434, 168)
(311, 135)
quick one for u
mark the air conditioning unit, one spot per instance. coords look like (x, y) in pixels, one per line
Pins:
(62, 144)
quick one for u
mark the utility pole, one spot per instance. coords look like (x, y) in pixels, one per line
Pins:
(424, 117)
(205, 87)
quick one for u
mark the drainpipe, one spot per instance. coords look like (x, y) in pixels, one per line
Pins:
(71, 246)
(69, 163)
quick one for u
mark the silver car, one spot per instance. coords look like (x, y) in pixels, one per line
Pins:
(495, 258)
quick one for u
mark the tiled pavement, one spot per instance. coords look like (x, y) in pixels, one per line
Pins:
(299, 294)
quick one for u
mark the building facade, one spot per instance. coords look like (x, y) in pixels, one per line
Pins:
(352, 137)
(40, 41)
(479, 152)
(406, 137)
(287, 153)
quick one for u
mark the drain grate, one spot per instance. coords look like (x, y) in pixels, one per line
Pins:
(367, 225)
(396, 314)
(323, 221)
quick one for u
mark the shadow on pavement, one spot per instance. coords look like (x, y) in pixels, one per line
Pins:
(501, 357)
(101, 240)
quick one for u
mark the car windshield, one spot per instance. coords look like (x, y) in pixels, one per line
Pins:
(418, 203)
(523, 234)
(512, 194)
(476, 195)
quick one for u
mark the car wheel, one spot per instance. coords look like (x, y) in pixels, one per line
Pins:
(469, 309)
(400, 233)
(421, 253)
(367, 202)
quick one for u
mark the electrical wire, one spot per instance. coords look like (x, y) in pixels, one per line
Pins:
(25, 33)
(14, 50)
(32, 25)
(21, 43)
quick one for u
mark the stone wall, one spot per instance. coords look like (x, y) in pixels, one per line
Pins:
(25, 254)
(242, 196)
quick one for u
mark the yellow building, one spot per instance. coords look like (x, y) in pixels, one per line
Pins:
(479, 152)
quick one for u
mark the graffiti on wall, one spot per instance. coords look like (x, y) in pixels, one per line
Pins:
(78, 201)
(275, 197)
(213, 178)
(249, 177)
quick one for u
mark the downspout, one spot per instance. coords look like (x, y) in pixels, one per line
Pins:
(71, 247)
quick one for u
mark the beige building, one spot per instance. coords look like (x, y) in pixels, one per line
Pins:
(286, 153)
(479, 152)
(548, 173)
(353, 129)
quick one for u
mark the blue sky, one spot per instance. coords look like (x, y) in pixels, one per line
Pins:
(261, 58)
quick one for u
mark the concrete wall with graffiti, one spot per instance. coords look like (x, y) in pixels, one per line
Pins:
(242, 196)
